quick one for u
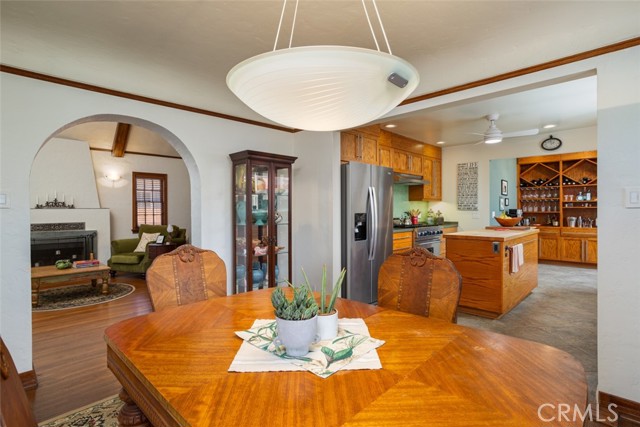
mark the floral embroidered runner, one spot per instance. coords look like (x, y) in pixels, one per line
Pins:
(351, 349)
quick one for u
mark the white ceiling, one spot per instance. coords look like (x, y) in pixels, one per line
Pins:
(181, 51)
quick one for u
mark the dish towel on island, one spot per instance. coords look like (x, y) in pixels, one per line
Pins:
(517, 257)
(258, 352)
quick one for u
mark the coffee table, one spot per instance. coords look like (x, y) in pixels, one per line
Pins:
(50, 274)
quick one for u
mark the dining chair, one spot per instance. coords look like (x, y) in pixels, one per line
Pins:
(16, 409)
(185, 275)
(418, 282)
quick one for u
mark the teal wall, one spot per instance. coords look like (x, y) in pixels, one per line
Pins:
(401, 203)
(498, 170)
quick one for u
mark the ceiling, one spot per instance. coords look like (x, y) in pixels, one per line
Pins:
(181, 51)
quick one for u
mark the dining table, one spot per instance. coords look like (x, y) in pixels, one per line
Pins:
(173, 366)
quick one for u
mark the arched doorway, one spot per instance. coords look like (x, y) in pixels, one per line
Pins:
(68, 355)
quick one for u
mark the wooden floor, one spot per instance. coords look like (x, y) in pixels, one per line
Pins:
(69, 353)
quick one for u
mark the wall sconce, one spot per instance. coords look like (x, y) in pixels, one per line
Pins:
(113, 178)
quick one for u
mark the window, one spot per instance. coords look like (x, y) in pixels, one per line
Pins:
(149, 199)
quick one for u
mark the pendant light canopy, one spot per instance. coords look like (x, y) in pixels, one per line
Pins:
(323, 88)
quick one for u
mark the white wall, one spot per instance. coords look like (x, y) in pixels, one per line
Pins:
(117, 196)
(63, 166)
(316, 204)
(619, 227)
(33, 111)
(572, 141)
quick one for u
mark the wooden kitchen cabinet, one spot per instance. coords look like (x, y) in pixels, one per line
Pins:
(359, 146)
(554, 187)
(548, 243)
(402, 240)
(579, 247)
(432, 172)
(407, 162)
(385, 156)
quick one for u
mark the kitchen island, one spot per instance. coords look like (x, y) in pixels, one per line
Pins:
(491, 284)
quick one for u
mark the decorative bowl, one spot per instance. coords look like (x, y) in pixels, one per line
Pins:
(259, 216)
(508, 222)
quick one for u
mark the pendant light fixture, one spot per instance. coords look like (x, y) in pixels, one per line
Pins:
(323, 88)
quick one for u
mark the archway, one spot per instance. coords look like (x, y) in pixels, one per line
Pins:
(48, 372)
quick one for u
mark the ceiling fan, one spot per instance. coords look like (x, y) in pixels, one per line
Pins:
(494, 135)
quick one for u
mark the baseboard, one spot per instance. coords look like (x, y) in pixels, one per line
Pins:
(29, 379)
(628, 411)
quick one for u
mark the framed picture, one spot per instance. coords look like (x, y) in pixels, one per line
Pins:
(504, 187)
(506, 201)
(501, 203)
(160, 239)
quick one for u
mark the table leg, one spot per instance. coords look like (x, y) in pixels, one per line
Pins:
(35, 288)
(130, 415)
(105, 283)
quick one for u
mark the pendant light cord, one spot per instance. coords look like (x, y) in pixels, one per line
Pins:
(364, 6)
(384, 33)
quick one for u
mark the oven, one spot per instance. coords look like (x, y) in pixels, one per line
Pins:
(428, 237)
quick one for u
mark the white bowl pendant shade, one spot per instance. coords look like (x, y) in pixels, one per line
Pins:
(321, 88)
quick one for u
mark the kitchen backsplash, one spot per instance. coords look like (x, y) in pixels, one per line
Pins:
(401, 203)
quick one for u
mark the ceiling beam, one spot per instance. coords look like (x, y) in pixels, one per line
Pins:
(120, 140)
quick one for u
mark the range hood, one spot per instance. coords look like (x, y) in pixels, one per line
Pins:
(409, 179)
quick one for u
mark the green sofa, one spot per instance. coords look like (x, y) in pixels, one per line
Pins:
(123, 258)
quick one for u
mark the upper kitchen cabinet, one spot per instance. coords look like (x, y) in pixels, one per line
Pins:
(360, 145)
(406, 162)
(404, 155)
(431, 172)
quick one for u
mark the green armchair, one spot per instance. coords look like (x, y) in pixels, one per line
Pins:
(123, 258)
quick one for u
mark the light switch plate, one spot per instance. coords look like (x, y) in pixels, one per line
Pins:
(632, 197)
(5, 201)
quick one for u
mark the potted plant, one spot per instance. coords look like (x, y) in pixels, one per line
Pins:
(328, 314)
(296, 319)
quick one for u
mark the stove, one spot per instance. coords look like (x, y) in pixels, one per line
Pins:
(428, 237)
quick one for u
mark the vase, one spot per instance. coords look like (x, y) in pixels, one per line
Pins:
(258, 275)
(328, 325)
(296, 335)
(241, 211)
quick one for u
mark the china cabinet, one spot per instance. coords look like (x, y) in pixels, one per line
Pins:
(261, 219)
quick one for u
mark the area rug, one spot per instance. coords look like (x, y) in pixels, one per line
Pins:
(100, 414)
(80, 295)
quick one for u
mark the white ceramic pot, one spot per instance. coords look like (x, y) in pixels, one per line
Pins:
(328, 326)
(297, 335)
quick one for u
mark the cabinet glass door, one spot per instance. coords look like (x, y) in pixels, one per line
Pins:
(260, 230)
(242, 217)
(282, 220)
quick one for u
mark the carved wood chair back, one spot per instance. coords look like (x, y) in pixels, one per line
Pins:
(418, 282)
(16, 409)
(185, 275)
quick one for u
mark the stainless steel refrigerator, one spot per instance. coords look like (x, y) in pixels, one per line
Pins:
(367, 227)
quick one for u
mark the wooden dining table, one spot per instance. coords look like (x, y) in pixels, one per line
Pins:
(173, 367)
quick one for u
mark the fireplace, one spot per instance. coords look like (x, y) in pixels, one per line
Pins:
(52, 242)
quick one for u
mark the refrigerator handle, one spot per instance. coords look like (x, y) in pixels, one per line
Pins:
(373, 223)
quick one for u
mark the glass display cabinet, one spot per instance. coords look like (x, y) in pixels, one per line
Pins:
(261, 219)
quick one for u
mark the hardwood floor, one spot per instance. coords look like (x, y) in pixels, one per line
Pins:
(69, 353)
